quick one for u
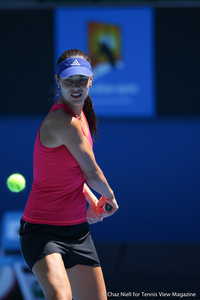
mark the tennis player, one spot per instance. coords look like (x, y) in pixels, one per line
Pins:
(54, 233)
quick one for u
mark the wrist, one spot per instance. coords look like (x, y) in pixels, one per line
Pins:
(107, 198)
(111, 197)
(93, 202)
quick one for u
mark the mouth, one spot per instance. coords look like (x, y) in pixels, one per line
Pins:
(76, 95)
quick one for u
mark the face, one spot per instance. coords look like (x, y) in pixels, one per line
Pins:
(74, 89)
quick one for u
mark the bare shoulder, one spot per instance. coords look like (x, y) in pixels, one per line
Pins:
(56, 127)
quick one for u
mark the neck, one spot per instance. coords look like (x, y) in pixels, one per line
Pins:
(79, 115)
(77, 110)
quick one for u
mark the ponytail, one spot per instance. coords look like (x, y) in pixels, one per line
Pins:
(91, 117)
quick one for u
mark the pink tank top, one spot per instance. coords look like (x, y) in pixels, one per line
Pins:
(57, 196)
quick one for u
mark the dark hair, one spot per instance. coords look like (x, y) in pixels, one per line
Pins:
(88, 106)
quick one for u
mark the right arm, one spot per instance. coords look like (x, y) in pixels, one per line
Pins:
(67, 131)
(81, 149)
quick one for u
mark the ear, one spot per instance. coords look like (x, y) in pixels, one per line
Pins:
(90, 80)
(57, 80)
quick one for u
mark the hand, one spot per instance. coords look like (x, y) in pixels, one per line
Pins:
(112, 202)
(93, 214)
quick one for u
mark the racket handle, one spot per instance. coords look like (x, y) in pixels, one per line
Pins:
(107, 207)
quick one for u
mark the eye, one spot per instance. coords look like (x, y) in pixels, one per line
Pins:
(84, 79)
(68, 80)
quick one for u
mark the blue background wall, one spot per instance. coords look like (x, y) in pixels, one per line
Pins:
(152, 165)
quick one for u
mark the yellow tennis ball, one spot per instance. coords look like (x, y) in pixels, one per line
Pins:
(16, 183)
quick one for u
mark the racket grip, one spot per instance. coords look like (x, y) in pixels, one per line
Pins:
(107, 207)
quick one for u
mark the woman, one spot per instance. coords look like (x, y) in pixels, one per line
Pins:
(54, 231)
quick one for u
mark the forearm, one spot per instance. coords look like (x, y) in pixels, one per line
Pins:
(98, 182)
(90, 197)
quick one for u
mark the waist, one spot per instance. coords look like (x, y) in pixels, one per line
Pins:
(56, 209)
(70, 232)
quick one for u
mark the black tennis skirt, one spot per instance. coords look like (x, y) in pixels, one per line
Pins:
(74, 243)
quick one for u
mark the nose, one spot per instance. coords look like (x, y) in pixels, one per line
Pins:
(76, 84)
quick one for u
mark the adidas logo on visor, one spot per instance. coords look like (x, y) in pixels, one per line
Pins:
(75, 63)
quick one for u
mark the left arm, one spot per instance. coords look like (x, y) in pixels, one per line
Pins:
(90, 197)
(93, 213)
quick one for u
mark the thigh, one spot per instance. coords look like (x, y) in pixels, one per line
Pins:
(87, 283)
(52, 276)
